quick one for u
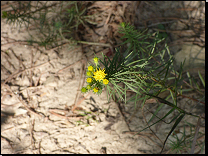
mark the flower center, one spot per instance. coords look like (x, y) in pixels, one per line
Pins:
(99, 75)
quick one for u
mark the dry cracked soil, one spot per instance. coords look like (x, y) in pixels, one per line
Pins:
(39, 88)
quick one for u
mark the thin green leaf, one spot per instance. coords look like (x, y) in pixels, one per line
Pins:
(130, 86)
(167, 102)
(189, 77)
(166, 116)
(155, 113)
(196, 84)
(171, 93)
(118, 90)
(202, 80)
(172, 129)
(161, 119)
(187, 90)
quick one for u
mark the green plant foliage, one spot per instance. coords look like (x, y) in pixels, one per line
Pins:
(136, 70)
(143, 68)
(183, 144)
(56, 22)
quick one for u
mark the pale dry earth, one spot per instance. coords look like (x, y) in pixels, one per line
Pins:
(36, 105)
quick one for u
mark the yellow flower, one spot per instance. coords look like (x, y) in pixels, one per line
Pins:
(99, 75)
(96, 60)
(105, 81)
(89, 80)
(89, 73)
(95, 90)
(90, 68)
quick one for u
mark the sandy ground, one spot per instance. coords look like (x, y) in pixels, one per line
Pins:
(38, 98)
(46, 127)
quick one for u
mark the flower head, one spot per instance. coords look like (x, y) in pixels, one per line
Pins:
(95, 90)
(99, 75)
(95, 60)
(105, 81)
(83, 90)
(89, 73)
(90, 68)
(88, 87)
(89, 80)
